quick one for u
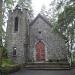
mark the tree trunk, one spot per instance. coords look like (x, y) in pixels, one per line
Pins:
(1, 22)
(0, 31)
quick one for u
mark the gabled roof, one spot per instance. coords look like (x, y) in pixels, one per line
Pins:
(44, 19)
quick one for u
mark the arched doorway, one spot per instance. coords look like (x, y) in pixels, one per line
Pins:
(40, 51)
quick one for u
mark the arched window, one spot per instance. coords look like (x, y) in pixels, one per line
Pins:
(16, 24)
(14, 51)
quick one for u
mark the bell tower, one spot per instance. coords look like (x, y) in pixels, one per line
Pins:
(17, 32)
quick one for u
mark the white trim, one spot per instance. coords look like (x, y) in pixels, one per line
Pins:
(34, 53)
(46, 57)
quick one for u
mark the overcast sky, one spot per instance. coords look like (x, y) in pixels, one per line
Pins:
(37, 4)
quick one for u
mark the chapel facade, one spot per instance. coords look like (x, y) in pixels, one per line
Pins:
(33, 41)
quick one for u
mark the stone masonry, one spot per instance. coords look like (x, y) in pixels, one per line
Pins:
(27, 36)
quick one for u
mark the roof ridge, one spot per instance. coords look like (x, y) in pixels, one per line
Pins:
(39, 15)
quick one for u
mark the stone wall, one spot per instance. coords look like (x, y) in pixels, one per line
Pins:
(27, 35)
(55, 48)
(17, 39)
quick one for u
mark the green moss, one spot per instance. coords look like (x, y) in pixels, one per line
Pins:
(6, 62)
(8, 66)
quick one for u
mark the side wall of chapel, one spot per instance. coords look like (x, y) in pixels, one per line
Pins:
(17, 40)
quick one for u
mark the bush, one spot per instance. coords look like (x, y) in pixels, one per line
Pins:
(7, 62)
(10, 69)
(3, 52)
(8, 66)
(73, 57)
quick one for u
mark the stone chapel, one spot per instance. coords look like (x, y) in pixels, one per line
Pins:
(33, 41)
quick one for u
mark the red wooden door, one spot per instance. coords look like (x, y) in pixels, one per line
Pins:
(40, 51)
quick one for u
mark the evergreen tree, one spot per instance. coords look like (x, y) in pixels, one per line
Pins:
(27, 5)
(5, 5)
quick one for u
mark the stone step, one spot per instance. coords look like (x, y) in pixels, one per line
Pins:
(52, 68)
(47, 63)
(44, 66)
(31, 67)
(47, 66)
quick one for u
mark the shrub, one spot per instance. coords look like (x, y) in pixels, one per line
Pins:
(8, 66)
(3, 52)
(10, 69)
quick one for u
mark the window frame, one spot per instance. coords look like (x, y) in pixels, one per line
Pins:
(16, 24)
(14, 52)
